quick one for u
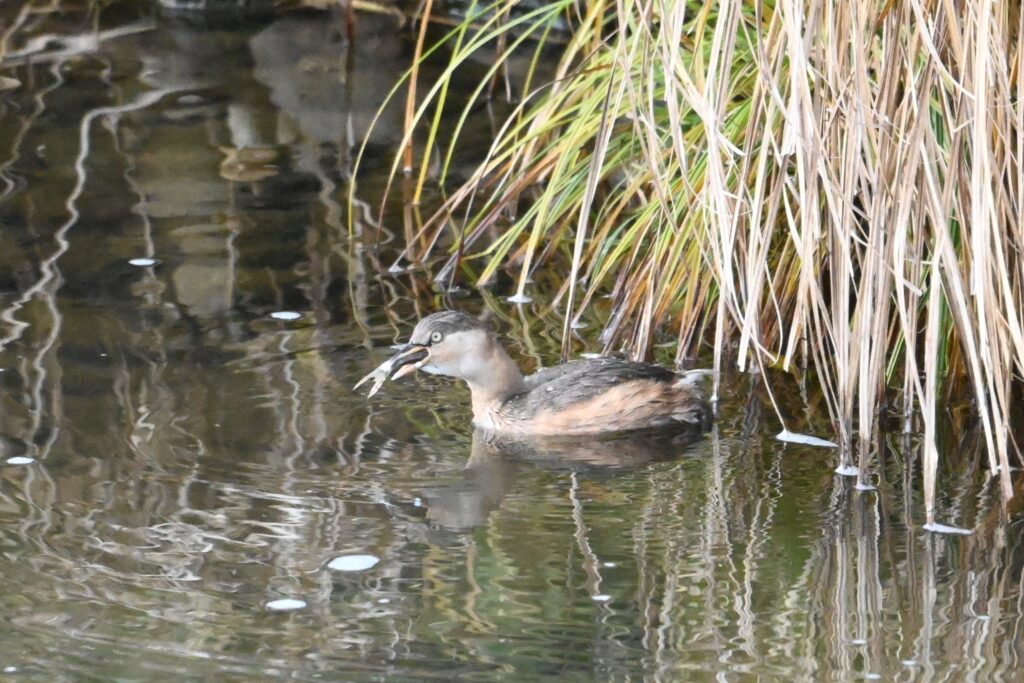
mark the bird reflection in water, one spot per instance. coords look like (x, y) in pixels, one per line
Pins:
(495, 459)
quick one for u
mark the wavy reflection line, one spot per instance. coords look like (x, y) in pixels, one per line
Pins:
(869, 587)
(49, 266)
(590, 561)
(645, 590)
(926, 634)
(670, 631)
(8, 32)
(716, 546)
(840, 638)
(35, 51)
(476, 623)
(152, 294)
(291, 425)
(758, 536)
(40, 106)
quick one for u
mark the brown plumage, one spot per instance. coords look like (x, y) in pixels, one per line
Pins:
(590, 396)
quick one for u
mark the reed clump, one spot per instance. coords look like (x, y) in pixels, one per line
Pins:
(810, 183)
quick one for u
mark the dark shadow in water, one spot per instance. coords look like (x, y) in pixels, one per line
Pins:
(495, 460)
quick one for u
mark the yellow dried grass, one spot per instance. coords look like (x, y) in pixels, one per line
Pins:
(836, 183)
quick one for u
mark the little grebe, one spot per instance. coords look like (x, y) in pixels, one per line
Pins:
(588, 396)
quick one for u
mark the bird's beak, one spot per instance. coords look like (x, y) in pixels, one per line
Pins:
(408, 359)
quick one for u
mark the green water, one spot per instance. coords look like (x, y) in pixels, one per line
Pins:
(197, 459)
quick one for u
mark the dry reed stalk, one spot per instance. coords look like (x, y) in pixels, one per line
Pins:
(410, 98)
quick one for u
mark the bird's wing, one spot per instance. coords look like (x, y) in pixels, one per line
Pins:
(560, 386)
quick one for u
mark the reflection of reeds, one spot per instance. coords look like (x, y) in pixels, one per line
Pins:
(843, 173)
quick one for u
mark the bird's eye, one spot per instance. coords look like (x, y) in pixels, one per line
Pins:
(436, 337)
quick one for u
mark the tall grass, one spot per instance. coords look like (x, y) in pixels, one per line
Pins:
(823, 186)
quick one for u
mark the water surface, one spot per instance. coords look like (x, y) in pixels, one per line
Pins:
(197, 459)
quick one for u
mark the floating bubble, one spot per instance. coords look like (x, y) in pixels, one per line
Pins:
(20, 460)
(10, 669)
(353, 563)
(285, 604)
(142, 262)
(384, 601)
(601, 598)
(610, 564)
(285, 315)
(520, 299)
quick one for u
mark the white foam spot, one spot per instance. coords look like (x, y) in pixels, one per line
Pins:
(610, 564)
(418, 502)
(864, 486)
(520, 299)
(805, 439)
(285, 604)
(601, 598)
(143, 262)
(384, 601)
(859, 641)
(10, 669)
(847, 471)
(285, 315)
(943, 529)
(909, 662)
(20, 460)
(353, 563)
(590, 355)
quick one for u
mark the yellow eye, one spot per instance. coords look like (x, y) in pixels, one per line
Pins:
(436, 337)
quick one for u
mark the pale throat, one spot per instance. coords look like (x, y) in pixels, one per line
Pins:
(498, 379)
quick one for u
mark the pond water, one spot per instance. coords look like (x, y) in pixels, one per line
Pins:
(190, 488)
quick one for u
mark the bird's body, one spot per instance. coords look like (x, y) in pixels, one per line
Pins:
(581, 397)
(593, 396)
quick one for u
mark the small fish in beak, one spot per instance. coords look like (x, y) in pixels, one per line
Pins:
(408, 359)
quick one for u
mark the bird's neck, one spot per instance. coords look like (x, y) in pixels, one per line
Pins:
(491, 388)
